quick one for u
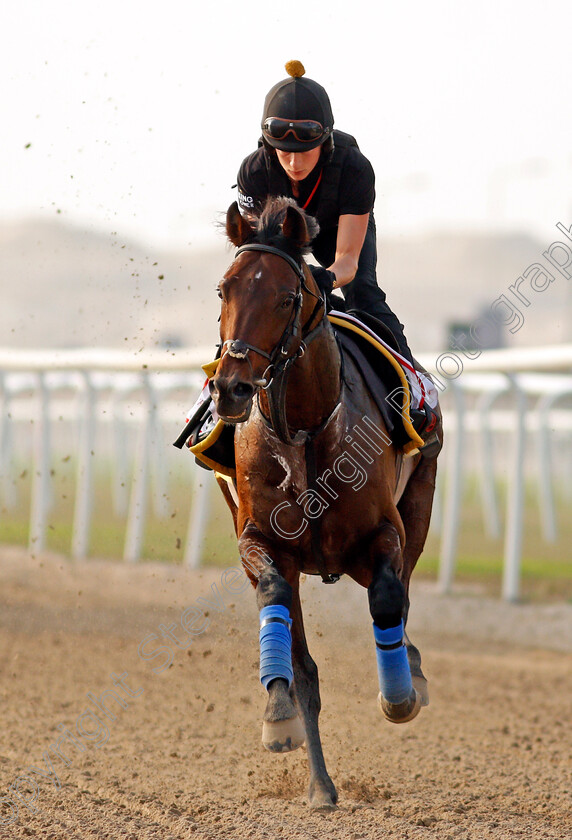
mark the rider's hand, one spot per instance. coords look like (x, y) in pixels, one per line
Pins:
(324, 278)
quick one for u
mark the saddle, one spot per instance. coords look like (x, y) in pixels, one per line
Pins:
(399, 390)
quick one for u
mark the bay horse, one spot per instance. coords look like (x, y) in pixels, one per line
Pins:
(308, 497)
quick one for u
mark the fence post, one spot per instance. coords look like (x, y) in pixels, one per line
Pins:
(515, 505)
(41, 479)
(140, 482)
(119, 459)
(545, 467)
(453, 494)
(7, 487)
(489, 496)
(84, 481)
(197, 518)
(157, 457)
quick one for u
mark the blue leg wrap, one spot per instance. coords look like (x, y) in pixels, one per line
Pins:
(275, 644)
(392, 664)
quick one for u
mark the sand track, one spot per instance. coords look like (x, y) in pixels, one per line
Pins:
(489, 758)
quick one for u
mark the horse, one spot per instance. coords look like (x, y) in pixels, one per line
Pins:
(320, 487)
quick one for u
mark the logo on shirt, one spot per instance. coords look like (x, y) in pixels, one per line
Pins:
(245, 200)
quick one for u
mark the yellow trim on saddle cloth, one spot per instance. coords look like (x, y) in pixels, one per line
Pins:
(416, 441)
(210, 368)
(199, 450)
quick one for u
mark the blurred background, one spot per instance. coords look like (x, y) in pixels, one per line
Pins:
(124, 125)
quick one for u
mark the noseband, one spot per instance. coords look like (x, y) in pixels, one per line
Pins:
(282, 357)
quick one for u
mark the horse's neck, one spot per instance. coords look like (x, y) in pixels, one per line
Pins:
(314, 385)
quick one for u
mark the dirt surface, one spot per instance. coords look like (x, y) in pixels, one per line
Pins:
(489, 758)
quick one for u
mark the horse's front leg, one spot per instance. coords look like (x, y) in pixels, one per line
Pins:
(398, 699)
(287, 670)
(282, 729)
(322, 793)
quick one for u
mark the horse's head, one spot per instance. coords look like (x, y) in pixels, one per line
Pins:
(266, 296)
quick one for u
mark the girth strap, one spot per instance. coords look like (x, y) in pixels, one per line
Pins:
(315, 529)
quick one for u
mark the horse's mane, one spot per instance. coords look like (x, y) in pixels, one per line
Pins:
(268, 228)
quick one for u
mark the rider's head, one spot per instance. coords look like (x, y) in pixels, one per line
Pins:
(297, 114)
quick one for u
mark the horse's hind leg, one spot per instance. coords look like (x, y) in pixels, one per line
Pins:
(415, 511)
(322, 793)
(398, 698)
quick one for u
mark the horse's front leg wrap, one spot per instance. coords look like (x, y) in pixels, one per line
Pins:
(275, 645)
(392, 663)
(282, 729)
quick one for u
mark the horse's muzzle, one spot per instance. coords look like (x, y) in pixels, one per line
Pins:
(232, 398)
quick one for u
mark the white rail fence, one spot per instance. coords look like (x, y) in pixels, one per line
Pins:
(62, 402)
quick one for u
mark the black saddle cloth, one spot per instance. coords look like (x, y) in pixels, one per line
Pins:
(377, 371)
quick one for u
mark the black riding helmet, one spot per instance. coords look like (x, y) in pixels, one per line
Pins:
(297, 113)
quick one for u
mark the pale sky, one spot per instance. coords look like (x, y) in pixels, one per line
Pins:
(134, 116)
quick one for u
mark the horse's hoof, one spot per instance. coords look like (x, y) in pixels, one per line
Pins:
(401, 712)
(417, 676)
(323, 798)
(325, 806)
(283, 735)
(420, 686)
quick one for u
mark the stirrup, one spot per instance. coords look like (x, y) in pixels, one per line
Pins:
(432, 446)
(424, 421)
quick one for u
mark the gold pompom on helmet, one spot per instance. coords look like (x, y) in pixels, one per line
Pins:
(297, 113)
(295, 69)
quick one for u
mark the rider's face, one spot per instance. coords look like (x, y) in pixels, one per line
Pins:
(298, 165)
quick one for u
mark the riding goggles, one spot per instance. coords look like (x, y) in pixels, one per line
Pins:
(305, 131)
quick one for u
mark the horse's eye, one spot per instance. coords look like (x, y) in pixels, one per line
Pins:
(219, 293)
(287, 302)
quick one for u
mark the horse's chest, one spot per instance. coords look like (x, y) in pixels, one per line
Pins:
(290, 492)
(275, 473)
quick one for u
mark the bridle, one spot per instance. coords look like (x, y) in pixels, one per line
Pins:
(291, 345)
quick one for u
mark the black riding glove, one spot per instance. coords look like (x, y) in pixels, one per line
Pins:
(324, 278)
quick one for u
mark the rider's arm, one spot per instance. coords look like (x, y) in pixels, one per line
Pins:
(349, 242)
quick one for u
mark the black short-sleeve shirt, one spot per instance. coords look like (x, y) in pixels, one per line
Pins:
(261, 175)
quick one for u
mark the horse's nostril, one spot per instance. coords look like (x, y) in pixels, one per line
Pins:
(242, 390)
(228, 394)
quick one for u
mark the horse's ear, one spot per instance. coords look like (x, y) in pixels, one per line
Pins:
(237, 227)
(294, 227)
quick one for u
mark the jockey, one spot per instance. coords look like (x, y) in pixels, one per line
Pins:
(302, 156)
